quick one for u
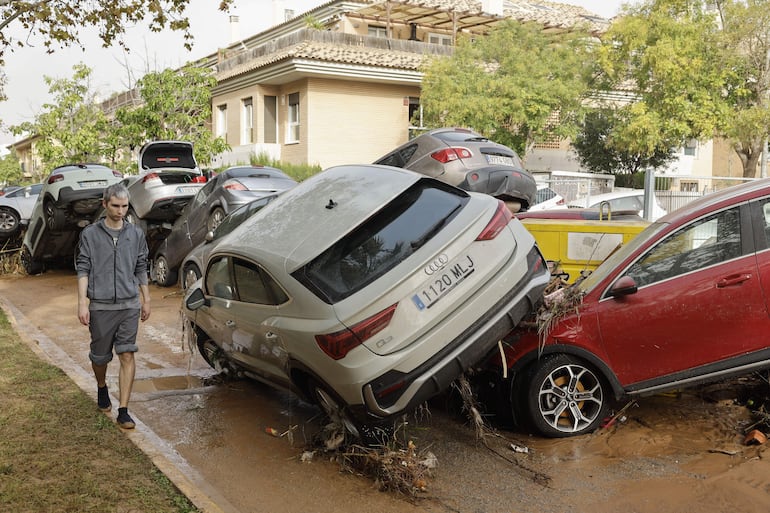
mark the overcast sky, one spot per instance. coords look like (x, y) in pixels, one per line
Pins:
(26, 67)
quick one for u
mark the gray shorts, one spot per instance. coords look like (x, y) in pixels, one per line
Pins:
(112, 329)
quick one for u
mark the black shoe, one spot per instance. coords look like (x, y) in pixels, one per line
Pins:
(103, 398)
(124, 419)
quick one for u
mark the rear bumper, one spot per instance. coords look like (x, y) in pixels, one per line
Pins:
(396, 392)
(502, 182)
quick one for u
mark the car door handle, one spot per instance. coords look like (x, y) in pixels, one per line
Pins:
(230, 324)
(734, 279)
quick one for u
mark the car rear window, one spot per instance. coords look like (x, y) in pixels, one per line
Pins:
(459, 136)
(383, 241)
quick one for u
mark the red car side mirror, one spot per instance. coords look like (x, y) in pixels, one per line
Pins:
(623, 287)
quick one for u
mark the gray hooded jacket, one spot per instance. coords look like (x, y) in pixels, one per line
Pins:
(114, 269)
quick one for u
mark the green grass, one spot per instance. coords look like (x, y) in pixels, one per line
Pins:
(58, 453)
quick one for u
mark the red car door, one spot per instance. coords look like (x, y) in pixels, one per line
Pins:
(699, 301)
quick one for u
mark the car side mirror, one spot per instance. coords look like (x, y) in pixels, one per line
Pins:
(209, 236)
(623, 287)
(196, 299)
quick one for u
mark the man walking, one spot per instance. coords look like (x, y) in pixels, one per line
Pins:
(113, 295)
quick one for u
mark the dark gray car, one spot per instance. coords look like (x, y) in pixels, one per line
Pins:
(195, 222)
(470, 161)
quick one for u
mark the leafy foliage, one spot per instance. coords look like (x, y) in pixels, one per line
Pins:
(516, 85)
(71, 126)
(696, 73)
(598, 152)
(173, 105)
(10, 169)
(58, 22)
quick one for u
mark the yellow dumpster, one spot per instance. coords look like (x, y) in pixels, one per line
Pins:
(575, 245)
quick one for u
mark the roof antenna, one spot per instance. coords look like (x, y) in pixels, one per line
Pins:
(331, 204)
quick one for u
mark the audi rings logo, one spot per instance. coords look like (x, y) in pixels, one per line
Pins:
(438, 263)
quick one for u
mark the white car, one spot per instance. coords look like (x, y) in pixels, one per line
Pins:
(367, 289)
(68, 201)
(16, 208)
(547, 199)
(620, 200)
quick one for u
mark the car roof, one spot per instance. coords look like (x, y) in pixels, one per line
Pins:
(286, 232)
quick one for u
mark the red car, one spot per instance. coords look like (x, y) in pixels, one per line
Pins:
(687, 301)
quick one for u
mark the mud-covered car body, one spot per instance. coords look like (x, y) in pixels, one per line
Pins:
(69, 200)
(683, 302)
(366, 288)
(470, 161)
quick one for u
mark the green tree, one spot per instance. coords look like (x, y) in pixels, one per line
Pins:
(71, 126)
(175, 104)
(696, 72)
(516, 85)
(598, 153)
(58, 22)
(10, 170)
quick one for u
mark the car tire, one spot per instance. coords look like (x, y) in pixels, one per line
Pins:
(54, 217)
(30, 265)
(162, 273)
(373, 434)
(215, 218)
(211, 353)
(9, 221)
(190, 275)
(565, 396)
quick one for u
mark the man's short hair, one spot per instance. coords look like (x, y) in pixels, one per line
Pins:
(116, 190)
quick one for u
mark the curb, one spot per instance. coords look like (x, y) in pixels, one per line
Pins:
(187, 480)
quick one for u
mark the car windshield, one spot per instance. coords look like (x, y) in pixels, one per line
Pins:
(382, 241)
(618, 256)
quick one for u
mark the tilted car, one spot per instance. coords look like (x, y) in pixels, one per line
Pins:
(235, 186)
(16, 208)
(169, 177)
(470, 161)
(684, 302)
(68, 201)
(367, 289)
(189, 232)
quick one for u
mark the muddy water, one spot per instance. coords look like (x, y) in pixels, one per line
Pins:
(669, 453)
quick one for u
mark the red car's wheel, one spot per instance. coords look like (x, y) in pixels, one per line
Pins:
(565, 396)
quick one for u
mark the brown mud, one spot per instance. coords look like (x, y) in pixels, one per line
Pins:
(668, 453)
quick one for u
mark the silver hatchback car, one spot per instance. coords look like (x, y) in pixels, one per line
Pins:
(367, 289)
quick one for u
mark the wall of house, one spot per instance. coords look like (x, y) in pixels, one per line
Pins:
(355, 122)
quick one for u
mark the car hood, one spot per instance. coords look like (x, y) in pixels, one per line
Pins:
(167, 155)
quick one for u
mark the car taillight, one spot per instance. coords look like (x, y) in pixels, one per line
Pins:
(234, 186)
(499, 221)
(560, 202)
(117, 174)
(149, 177)
(450, 154)
(199, 179)
(55, 178)
(340, 343)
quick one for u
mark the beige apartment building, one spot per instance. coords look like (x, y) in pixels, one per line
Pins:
(348, 90)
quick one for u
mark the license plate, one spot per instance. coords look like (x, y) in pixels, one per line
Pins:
(187, 190)
(443, 281)
(93, 184)
(500, 160)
